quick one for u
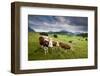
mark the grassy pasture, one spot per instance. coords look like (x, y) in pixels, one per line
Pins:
(78, 48)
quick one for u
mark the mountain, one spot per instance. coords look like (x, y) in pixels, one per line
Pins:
(64, 31)
(30, 29)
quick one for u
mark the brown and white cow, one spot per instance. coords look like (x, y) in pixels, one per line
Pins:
(45, 42)
(55, 43)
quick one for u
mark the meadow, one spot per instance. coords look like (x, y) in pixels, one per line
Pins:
(79, 47)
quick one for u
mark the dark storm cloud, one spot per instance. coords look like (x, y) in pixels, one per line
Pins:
(57, 23)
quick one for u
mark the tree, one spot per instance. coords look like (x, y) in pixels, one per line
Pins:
(83, 34)
(44, 33)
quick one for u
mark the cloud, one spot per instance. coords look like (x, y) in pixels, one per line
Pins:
(57, 23)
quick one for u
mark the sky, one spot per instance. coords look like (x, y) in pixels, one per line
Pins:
(43, 23)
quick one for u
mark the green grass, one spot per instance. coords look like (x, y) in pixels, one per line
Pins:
(78, 48)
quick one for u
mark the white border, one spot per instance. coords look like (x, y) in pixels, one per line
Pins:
(25, 64)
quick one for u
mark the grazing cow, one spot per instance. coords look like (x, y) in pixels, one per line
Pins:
(64, 45)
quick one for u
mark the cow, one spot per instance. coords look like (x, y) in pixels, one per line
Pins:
(55, 43)
(45, 43)
(64, 45)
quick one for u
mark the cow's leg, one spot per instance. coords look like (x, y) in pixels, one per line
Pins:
(46, 50)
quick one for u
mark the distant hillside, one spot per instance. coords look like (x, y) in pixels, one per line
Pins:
(83, 34)
(61, 32)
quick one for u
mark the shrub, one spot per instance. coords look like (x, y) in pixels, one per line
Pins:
(55, 36)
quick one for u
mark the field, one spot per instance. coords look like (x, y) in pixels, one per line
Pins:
(79, 48)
